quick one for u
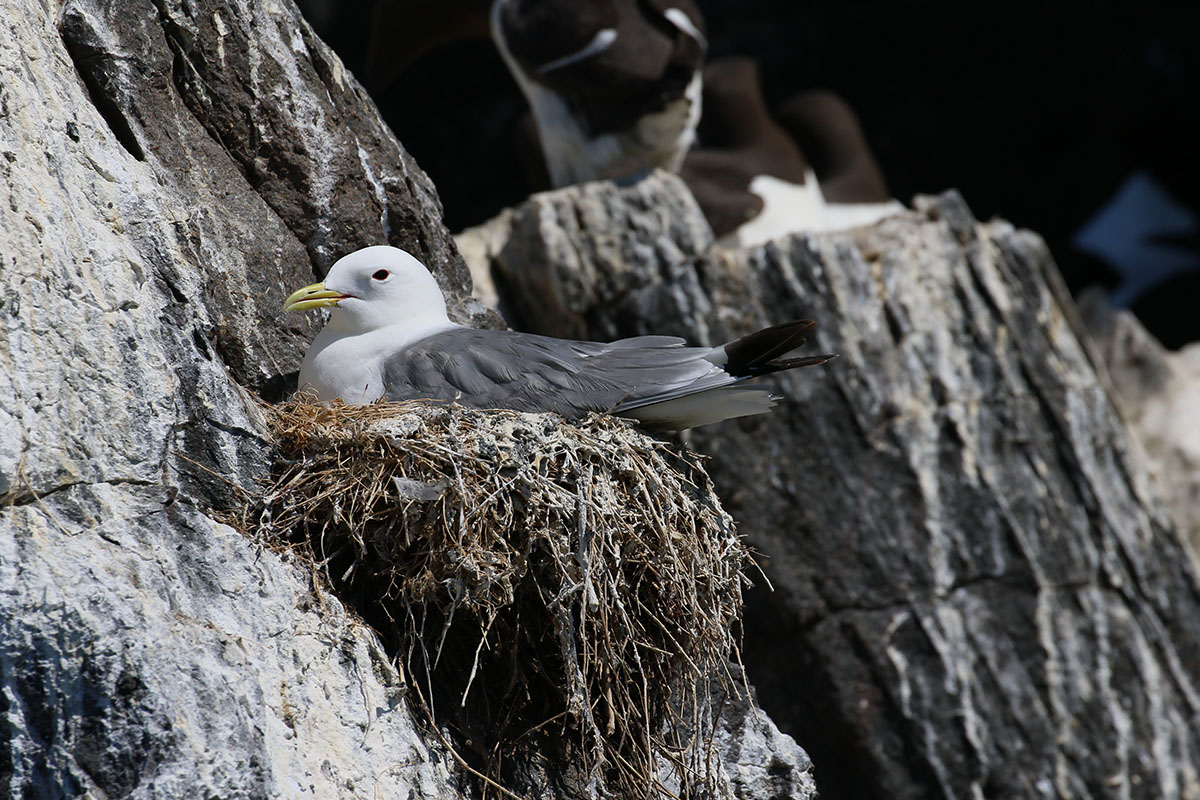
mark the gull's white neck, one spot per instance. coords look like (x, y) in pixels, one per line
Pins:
(343, 363)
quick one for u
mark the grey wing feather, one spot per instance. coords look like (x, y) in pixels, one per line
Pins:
(525, 372)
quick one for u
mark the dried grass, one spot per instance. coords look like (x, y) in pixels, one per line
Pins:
(577, 586)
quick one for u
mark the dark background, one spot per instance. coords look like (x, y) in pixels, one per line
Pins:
(1036, 112)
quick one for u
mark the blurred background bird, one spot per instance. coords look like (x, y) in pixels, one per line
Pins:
(1050, 116)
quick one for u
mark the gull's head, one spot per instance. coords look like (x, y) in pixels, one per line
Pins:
(373, 288)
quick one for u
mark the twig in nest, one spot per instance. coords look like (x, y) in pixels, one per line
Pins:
(577, 584)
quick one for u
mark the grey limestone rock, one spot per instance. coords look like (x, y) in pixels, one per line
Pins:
(1159, 394)
(171, 170)
(977, 590)
(584, 252)
(146, 649)
(760, 760)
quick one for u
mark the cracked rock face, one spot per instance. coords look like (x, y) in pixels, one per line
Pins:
(977, 590)
(170, 172)
(1159, 392)
(145, 649)
(144, 246)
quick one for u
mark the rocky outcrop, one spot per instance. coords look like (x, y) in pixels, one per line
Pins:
(146, 649)
(977, 592)
(1159, 394)
(170, 172)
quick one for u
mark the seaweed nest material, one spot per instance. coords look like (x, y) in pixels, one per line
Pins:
(543, 584)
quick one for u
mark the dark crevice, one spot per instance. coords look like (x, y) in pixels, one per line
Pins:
(176, 293)
(894, 325)
(31, 496)
(201, 344)
(277, 388)
(974, 272)
(235, 430)
(321, 65)
(90, 64)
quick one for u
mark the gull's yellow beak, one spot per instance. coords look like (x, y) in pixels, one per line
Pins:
(314, 296)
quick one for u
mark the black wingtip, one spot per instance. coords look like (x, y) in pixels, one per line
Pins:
(795, 363)
(759, 353)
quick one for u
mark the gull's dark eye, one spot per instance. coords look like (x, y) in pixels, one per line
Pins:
(380, 275)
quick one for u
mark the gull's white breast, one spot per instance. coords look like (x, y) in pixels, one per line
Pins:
(350, 366)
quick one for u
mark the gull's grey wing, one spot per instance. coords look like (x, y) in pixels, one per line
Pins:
(526, 372)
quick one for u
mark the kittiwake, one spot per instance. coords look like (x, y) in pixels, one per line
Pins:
(388, 335)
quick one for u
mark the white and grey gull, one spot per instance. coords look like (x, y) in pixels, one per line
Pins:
(389, 336)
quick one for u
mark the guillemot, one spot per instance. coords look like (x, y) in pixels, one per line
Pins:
(614, 86)
(757, 179)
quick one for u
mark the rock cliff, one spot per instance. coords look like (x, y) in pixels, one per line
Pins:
(171, 170)
(978, 591)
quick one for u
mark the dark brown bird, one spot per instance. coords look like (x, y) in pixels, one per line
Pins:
(756, 179)
(614, 85)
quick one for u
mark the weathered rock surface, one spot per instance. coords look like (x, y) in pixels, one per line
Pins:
(759, 760)
(1159, 394)
(977, 593)
(147, 649)
(171, 171)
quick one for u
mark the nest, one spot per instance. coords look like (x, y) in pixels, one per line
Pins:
(542, 584)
